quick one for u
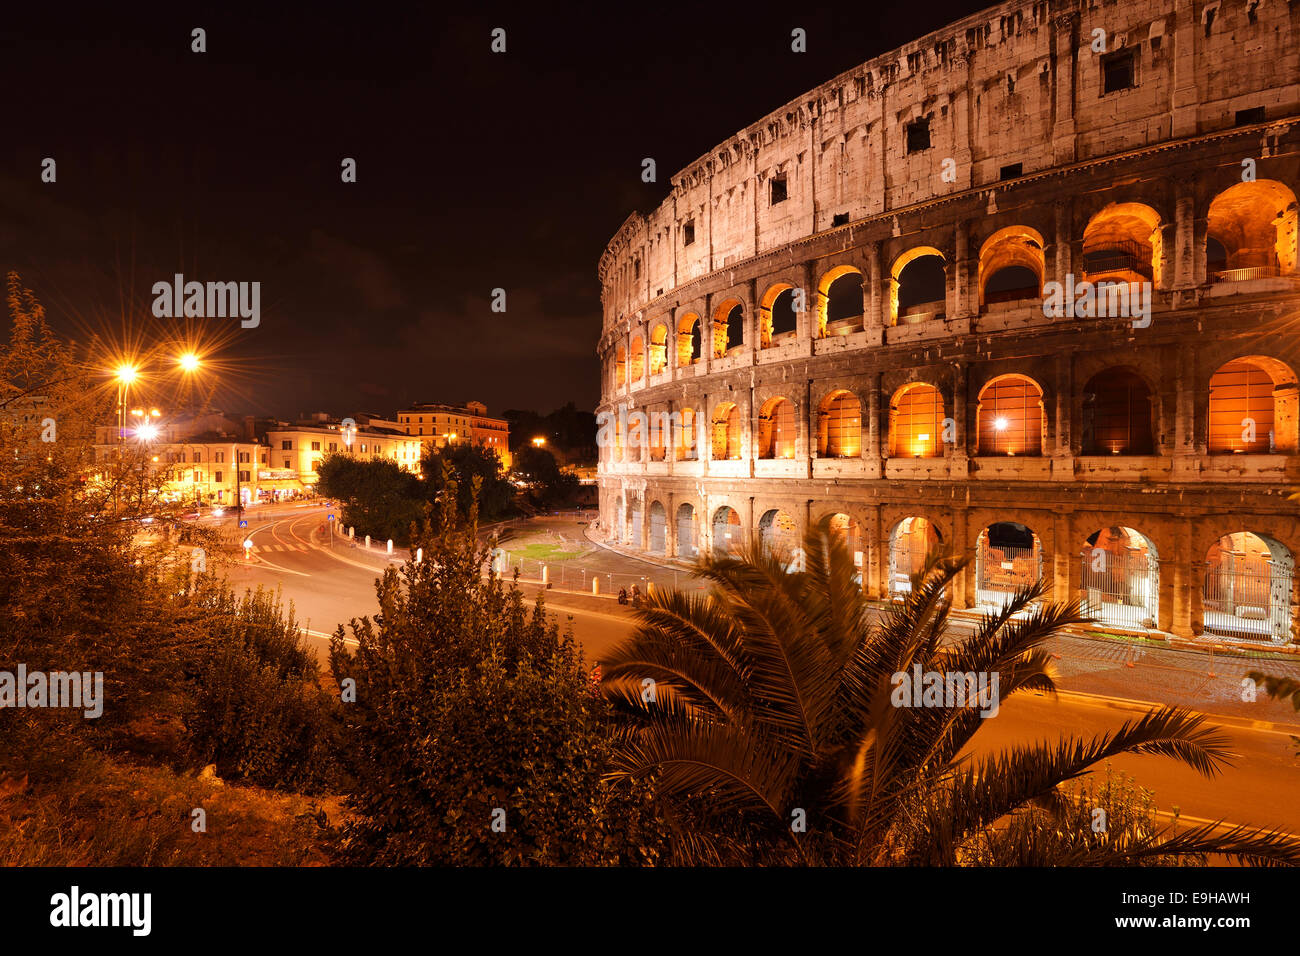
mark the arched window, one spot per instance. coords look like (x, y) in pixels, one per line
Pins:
(688, 339)
(1254, 226)
(1117, 414)
(636, 366)
(726, 432)
(728, 327)
(916, 422)
(658, 349)
(728, 538)
(777, 320)
(1241, 410)
(1122, 243)
(1011, 417)
(776, 429)
(620, 367)
(839, 427)
(919, 289)
(1011, 266)
(687, 449)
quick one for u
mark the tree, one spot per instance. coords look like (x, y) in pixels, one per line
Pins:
(547, 485)
(378, 498)
(777, 699)
(457, 465)
(477, 737)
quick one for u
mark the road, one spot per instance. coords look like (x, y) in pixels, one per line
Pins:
(329, 585)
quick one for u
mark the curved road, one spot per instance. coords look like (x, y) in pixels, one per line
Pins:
(331, 585)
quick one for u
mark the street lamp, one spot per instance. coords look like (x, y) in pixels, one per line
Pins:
(189, 362)
(539, 441)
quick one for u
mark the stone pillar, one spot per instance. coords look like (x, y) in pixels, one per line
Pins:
(872, 450)
(1064, 560)
(875, 564)
(1064, 53)
(670, 527)
(876, 300)
(1181, 612)
(958, 452)
(964, 584)
(1184, 233)
(966, 297)
(1063, 216)
(806, 321)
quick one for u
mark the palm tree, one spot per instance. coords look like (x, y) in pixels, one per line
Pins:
(769, 714)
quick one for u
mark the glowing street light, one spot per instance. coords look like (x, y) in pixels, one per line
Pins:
(147, 432)
(1000, 424)
(539, 441)
(189, 362)
(126, 373)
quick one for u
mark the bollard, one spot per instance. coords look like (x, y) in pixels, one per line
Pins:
(546, 574)
(595, 586)
(390, 545)
(352, 532)
(649, 588)
(419, 555)
(367, 541)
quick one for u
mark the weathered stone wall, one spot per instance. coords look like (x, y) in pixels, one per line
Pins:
(1161, 163)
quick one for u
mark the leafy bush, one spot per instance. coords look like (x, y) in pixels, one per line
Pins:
(468, 704)
(258, 711)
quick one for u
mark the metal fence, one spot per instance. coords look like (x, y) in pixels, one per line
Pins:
(1120, 588)
(1002, 570)
(1247, 599)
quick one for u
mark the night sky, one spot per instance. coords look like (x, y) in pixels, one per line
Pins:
(475, 170)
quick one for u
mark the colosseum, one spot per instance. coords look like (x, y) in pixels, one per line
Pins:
(1025, 289)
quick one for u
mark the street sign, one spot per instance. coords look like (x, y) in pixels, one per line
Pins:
(243, 523)
(331, 518)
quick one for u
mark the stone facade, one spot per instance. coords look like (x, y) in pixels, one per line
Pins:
(1007, 152)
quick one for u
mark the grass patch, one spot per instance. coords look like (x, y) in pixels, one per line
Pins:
(97, 811)
(543, 551)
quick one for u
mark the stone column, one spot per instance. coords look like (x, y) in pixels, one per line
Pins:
(1064, 226)
(872, 451)
(1064, 52)
(1065, 565)
(959, 450)
(1184, 232)
(964, 584)
(875, 304)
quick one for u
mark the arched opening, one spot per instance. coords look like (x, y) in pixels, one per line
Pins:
(1216, 259)
(634, 523)
(726, 432)
(778, 323)
(1119, 581)
(919, 290)
(636, 362)
(658, 529)
(839, 301)
(620, 367)
(686, 544)
(911, 544)
(728, 327)
(688, 339)
(776, 429)
(1008, 557)
(1255, 225)
(916, 422)
(778, 534)
(847, 529)
(1010, 417)
(727, 537)
(1011, 266)
(1122, 243)
(1247, 591)
(839, 426)
(1117, 414)
(658, 349)
(687, 440)
(1253, 408)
